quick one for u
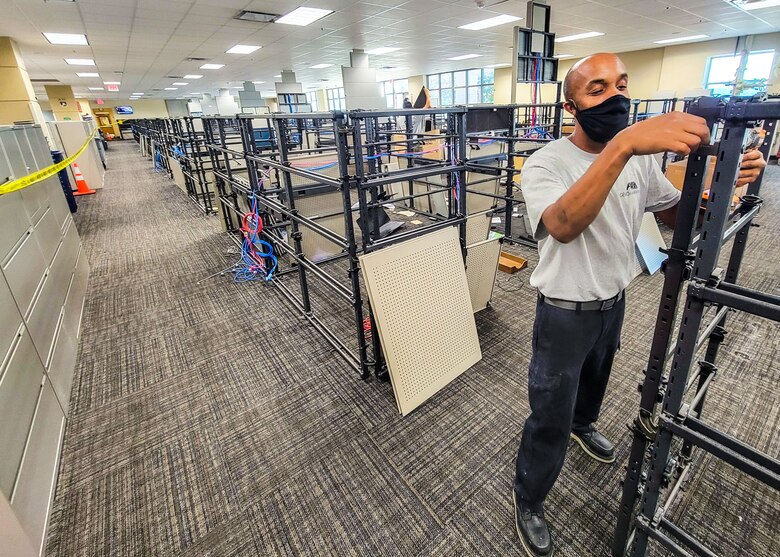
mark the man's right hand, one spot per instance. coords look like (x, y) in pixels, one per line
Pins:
(677, 132)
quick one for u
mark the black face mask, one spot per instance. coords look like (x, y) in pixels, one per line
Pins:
(603, 122)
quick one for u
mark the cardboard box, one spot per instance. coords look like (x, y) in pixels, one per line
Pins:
(675, 172)
(511, 263)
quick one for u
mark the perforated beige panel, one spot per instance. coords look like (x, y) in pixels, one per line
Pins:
(428, 339)
(477, 228)
(481, 266)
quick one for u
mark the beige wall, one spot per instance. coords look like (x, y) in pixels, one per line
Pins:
(680, 69)
(502, 77)
(142, 108)
(63, 103)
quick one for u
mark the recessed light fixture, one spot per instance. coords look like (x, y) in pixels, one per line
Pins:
(179, 83)
(465, 57)
(242, 49)
(681, 39)
(303, 16)
(490, 22)
(561, 56)
(577, 37)
(112, 83)
(501, 65)
(96, 89)
(66, 38)
(383, 50)
(80, 61)
(193, 76)
(210, 67)
(258, 82)
(280, 75)
(87, 74)
(320, 66)
(758, 5)
(137, 94)
(171, 88)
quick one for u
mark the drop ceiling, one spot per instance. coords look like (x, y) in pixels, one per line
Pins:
(144, 44)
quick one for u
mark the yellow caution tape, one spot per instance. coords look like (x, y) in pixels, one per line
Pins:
(36, 177)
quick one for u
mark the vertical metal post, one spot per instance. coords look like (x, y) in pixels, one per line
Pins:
(675, 272)
(281, 128)
(509, 194)
(340, 131)
(707, 252)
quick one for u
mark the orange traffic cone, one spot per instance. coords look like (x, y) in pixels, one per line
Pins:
(81, 183)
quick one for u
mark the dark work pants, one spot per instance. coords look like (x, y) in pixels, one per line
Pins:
(567, 379)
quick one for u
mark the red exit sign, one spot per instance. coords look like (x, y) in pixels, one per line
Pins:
(113, 88)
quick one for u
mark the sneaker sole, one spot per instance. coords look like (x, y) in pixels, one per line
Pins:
(528, 550)
(590, 453)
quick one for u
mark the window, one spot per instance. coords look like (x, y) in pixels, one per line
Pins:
(394, 91)
(475, 86)
(311, 98)
(336, 99)
(722, 71)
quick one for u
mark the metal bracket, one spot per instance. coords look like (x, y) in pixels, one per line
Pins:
(645, 424)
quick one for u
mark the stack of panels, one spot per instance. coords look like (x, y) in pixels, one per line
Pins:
(43, 280)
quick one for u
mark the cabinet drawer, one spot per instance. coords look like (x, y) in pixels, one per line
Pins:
(74, 303)
(37, 478)
(63, 363)
(10, 319)
(48, 235)
(13, 220)
(20, 384)
(43, 318)
(24, 272)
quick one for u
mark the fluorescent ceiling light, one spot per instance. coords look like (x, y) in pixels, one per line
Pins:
(210, 67)
(559, 56)
(112, 83)
(258, 82)
(280, 75)
(179, 83)
(759, 5)
(303, 16)
(383, 50)
(80, 61)
(502, 65)
(465, 57)
(681, 39)
(242, 49)
(96, 89)
(490, 22)
(87, 74)
(66, 38)
(320, 66)
(192, 76)
(171, 88)
(588, 35)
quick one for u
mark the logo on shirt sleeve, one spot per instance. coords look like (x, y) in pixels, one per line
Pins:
(631, 189)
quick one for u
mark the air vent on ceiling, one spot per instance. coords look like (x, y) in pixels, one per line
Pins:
(196, 59)
(174, 76)
(156, 89)
(45, 80)
(256, 17)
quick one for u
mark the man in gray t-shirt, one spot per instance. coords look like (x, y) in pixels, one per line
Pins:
(585, 196)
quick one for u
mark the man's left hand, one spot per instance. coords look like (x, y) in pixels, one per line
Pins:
(752, 164)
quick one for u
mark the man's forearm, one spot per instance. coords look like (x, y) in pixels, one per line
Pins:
(580, 205)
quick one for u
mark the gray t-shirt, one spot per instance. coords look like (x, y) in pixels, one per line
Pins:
(600, 262)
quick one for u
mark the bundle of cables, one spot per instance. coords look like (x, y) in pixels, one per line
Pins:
(257, 256)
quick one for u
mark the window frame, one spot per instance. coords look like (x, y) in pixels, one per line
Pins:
(486, 86)
(713, 85)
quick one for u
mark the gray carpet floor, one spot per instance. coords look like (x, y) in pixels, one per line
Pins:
(208, 420)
